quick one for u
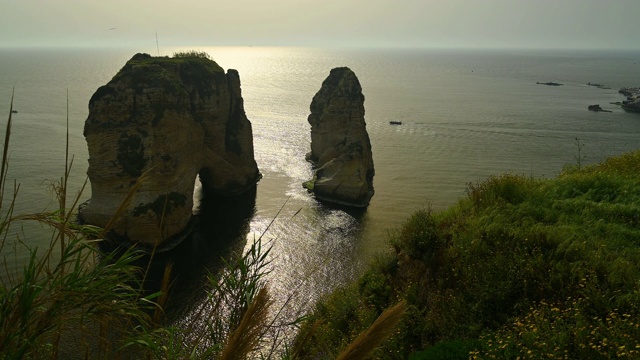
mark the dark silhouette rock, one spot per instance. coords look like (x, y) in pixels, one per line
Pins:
(549, 83)
(597, 108)
(630, 92)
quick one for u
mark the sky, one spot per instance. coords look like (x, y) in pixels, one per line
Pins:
(592, 24)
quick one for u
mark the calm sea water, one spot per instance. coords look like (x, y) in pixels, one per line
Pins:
(466, 114)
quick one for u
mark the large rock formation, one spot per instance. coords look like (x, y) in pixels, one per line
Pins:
(340, 146)
(169, 119)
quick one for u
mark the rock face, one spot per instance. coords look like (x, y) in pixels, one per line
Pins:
(164, 121)
(340, 146)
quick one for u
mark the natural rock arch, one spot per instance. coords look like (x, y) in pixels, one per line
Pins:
(164, 121)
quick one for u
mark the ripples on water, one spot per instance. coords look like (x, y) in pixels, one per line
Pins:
(466, 115)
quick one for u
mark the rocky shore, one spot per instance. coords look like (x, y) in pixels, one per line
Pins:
(599, 86)
(632, 103)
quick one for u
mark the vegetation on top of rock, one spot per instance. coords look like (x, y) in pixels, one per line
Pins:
(522, 267)
(171, 74)
(192, 54)
(144, 71)
(178, 58)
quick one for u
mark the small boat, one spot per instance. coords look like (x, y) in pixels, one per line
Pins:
(395, 122)
(14, 111)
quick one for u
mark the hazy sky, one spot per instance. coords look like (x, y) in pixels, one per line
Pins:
(362, 23)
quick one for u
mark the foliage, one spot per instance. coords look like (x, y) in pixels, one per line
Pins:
(486, 271)
(447, 350)
(60, 291)
(192, 54)
(567, 330)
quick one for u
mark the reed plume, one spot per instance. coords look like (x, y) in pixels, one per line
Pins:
(378, 332)
(246, 338)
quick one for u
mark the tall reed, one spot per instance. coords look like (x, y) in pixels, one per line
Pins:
(372, 337)
(68, 290)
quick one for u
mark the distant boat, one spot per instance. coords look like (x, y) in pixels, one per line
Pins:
(14, 111)
(395, 122)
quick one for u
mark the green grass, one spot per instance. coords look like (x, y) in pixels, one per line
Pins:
(537, 268)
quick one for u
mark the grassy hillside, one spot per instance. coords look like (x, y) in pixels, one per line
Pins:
(522, 267)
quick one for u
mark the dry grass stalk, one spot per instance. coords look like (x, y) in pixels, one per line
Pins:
(246, 338)
(158, 314)
(371, 338)
(5, 151)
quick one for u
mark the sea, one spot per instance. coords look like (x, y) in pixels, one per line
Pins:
(466, 114)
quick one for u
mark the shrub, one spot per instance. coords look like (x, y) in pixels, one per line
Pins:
(192, 54)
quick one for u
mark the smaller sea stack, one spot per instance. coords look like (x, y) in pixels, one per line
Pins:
(340, 145)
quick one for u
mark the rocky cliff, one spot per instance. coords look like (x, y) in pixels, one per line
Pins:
(340, 146)
(170, 119)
